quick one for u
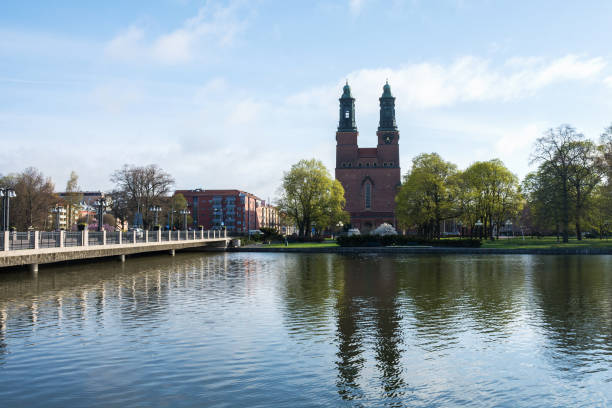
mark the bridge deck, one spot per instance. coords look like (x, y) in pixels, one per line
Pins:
(17, 257)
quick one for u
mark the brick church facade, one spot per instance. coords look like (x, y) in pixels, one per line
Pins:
(370, 176)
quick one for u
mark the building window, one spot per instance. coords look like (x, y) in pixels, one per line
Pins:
(368, 195)
(359, 164)
(368, 164)
(374, 164)
(347, 114)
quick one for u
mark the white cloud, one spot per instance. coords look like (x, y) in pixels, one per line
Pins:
(355, 6)
(608, 81)
(213, 27)
(467, 79)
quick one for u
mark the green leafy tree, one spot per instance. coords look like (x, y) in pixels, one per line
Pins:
(557, 151)
(490, 193)
(427, 196)
(310, 197)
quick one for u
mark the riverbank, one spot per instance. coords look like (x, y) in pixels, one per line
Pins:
(425, 250)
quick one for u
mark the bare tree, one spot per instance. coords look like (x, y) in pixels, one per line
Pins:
(139, 187)
(34, 198)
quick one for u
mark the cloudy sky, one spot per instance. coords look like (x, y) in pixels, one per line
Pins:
(228, 94)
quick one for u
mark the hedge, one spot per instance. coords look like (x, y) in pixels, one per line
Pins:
(403, 240)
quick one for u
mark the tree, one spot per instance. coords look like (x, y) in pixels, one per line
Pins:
(556, 150)
(138, 188)
(34, 198)
(491, 193)
(585, 175)
(600, 214)
(310, 197)
(544, 199)
(426, 197)
(72, 198)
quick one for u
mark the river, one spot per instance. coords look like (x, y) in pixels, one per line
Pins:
(304, 330)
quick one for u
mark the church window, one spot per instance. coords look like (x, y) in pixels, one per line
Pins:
(368, 195)
(375, 164)
(368, 164)
(359, 164)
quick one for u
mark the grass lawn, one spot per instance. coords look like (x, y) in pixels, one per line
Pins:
(304, 245)
(510, 243)
(546, 242)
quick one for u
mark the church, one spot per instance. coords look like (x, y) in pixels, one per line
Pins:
(371, 176)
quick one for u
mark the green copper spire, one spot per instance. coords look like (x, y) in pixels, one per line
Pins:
(387, 109)
(347, 111)
(346, 91)
(387, 90)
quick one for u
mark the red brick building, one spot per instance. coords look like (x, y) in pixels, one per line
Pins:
(370, 176)
(236, 210)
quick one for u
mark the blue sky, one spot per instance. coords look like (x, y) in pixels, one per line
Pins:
(228, 94)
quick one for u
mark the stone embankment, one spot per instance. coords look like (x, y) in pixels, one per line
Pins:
(428, 250)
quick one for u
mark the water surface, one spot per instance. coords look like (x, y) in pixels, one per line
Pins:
(260, 330)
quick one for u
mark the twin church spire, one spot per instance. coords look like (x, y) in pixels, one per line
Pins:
(347, 110)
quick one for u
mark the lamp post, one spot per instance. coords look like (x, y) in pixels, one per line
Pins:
(57, 210)
(155, 210)
(184, 213)
(101, 204)
(479, 224)
(6, 194)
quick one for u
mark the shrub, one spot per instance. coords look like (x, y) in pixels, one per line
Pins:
(403, 240)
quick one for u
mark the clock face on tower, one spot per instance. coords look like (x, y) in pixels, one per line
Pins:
(388, 139)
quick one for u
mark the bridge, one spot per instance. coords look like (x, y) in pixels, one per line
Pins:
(41, 247)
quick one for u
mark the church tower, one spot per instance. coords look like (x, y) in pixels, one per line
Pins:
(370, 176)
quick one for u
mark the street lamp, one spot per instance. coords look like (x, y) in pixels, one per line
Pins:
(155, 210)
(101, 204)
(6, 194)
(479, 224)
(57, 210)
(184, 213)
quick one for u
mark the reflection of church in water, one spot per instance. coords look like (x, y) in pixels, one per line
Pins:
(370, 176)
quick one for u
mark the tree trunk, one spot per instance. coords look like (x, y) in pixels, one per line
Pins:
(565, 212)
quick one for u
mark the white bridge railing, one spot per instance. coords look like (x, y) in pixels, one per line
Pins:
(14, 241)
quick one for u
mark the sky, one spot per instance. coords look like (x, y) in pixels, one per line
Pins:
(230, 94)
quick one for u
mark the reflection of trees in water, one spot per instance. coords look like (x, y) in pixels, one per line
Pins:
(310, 285)
(445, 295)
(449, 292)
(574, 296)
